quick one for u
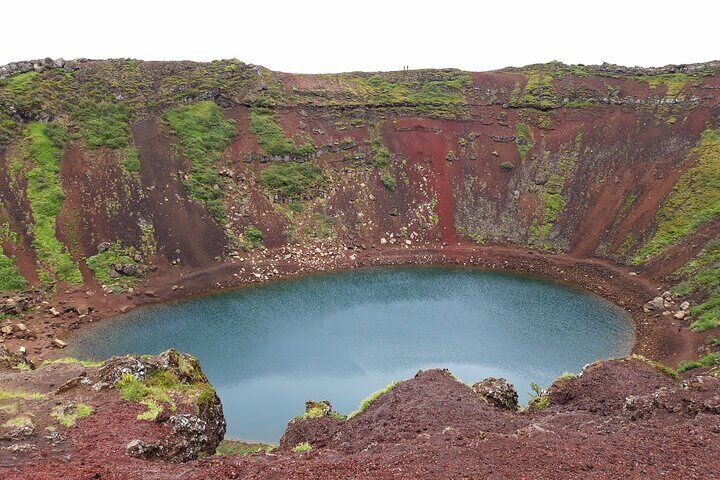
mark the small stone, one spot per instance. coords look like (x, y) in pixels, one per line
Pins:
(684, 305)
(57, 343)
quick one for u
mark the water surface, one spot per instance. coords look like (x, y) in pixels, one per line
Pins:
(267, 349)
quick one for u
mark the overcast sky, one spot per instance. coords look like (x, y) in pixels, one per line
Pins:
(331, 36)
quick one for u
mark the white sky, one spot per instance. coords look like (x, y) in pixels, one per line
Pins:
(335, 35)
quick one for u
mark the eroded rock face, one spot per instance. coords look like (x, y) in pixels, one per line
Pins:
(193, 434)
(497, 392)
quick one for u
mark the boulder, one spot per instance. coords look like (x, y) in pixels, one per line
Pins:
(657, 303)
(497, 392)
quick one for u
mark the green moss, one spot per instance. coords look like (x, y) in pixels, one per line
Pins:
(18, 422)
(550, 199)
(271, 137)
(132, 389)
(10, 277)
(104, 124)
(539, 400)
(388, 179)
(507, 166)
(302, 447)
(660, 367)
(20, 83)
(160, 389)
(694, 201)
(367, 401)
(153, 410)
(292, 180)
(538, 92)
(441, 95)
(102, 264)
(204, 134)
(46, 199)
(71, 360)
(6, 394)
(524, 139)
(709, 360)
(68, 416)
(252, 237)
(702, 274)
(131, 161)
(674, 82)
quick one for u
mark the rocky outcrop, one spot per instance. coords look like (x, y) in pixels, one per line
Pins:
(497, 392)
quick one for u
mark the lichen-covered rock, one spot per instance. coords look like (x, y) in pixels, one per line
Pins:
(193, 434)
(498, 392)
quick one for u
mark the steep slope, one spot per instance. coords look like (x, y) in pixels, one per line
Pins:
(174, 168)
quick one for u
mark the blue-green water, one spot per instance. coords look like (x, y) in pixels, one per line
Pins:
(267, 349)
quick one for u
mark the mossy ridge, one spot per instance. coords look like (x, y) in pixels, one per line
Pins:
(367, 401)
(204, 134)
(46, 197)
(441, 94)
(538, 92)
(272, 139)
(103, 263)
(702, 274)
(693, 202)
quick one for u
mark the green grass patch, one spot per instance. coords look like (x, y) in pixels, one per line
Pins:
(694, 201)
(675, 82)
(292, 180)
(72, 360)
(131, 161)
(68, 416)
(46, 197)
(18, 422)
(6, 394)
(159, 390)
(103, 265)
(709, 360)
(302, 447)
(524, 139)
(272, 139)
(538, 92)
(10, 277)
(389, 181)
(20, 83)
(551, 203)
(252, 238)
(367, 401)
(702, 274)
(204, 134)
(104, 124)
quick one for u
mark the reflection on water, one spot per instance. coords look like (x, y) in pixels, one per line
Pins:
(267, 349)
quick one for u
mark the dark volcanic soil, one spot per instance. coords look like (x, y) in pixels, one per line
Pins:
(619, 419)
